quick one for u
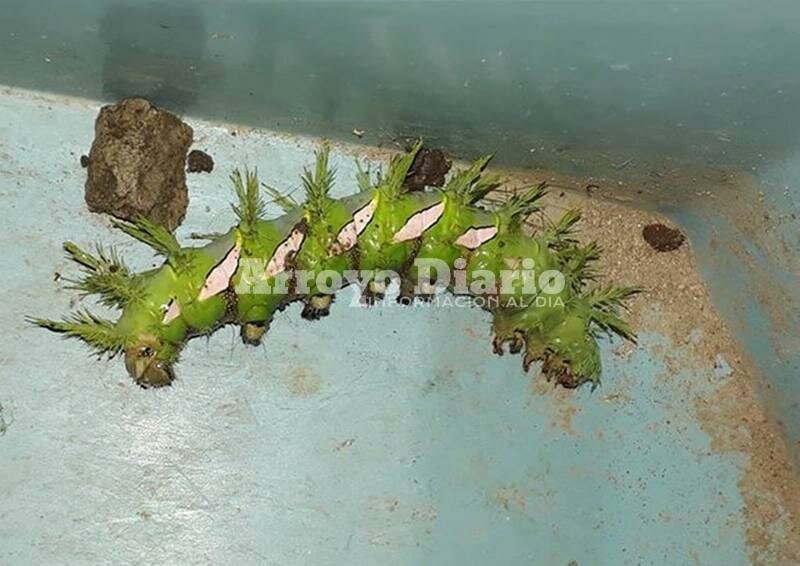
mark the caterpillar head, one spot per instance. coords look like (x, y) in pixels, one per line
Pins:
(146, 365)
(147, 358)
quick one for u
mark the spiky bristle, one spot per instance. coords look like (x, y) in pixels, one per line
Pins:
(318, 183)
(363, 178)
(522, 205)
(605, 303)
(250, 208)
(161, 240)
(398, 170)
(561, 233)
(97, 332)
(577, 264)
(104, 274)
(469, 186)
(286, 201)
(205, 235)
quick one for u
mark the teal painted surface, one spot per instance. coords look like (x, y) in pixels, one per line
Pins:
(756, 291)
(388, 435)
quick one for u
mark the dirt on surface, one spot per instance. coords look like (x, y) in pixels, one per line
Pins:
(676, 305)
(429, 169)
(303, 382)
(136, 167)
(3, 422)
(199, 162)
(663, 238)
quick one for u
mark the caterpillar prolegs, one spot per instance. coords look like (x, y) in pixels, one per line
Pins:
(540, 288)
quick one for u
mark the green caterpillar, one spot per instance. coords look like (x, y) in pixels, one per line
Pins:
(539, 288)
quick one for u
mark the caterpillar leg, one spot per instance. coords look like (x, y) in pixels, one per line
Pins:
(569, 353)
(146, 369)
(373, 292)
(317, 306)
(407, 295)
(555, 369)
(409, 292)
(569, 365)
(515, 342)
(252, 332)
(505, 332)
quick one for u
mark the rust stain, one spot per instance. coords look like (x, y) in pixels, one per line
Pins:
(303, 382)
(564, 412)
(736, 423)
(561, 406)
(474, 334)
(677, 305)
(511, 499)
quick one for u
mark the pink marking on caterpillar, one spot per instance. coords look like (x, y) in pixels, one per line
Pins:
(348, 235)
(475, 237)
(287, 248)
(173, 311)
(417, 224)
(220, 277)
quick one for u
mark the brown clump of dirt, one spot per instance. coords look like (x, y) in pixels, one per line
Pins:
(199, 162)
(662, 238)
(136, 164)
(429, 168)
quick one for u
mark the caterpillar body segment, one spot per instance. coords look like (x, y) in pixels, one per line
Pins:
(436, 238)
